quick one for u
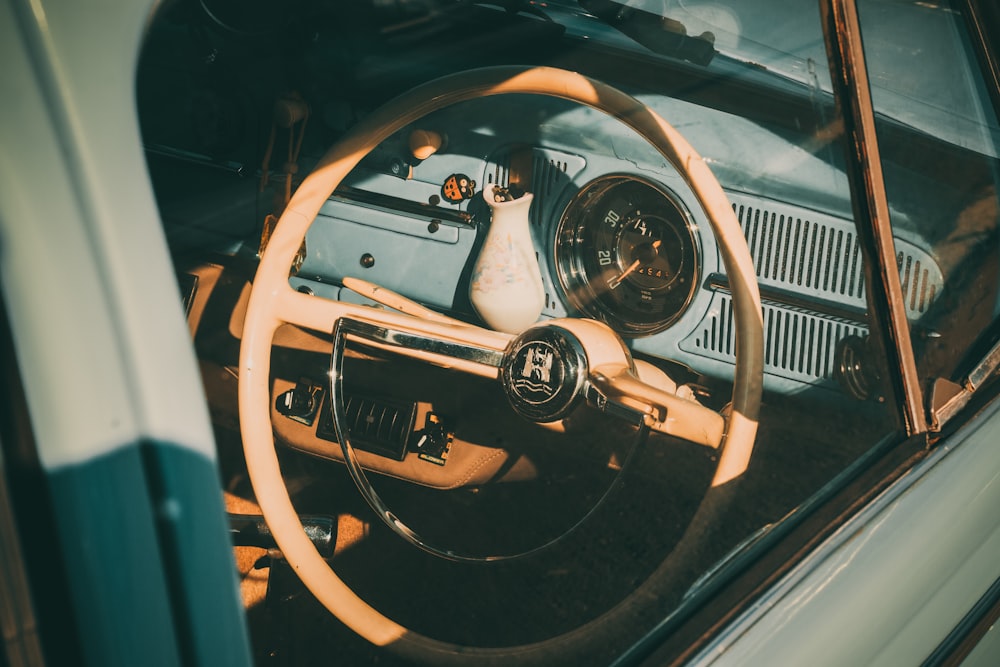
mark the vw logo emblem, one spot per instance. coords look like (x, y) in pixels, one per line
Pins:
(537, 372)
(541, 373)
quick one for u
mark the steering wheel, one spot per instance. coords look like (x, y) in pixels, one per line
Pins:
(598, 368)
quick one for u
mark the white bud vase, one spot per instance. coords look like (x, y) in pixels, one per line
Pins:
(506, 288)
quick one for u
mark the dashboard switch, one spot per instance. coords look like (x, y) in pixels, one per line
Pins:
(433, 441)
(300, 403)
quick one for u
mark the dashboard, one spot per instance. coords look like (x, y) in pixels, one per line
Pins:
(617, 233)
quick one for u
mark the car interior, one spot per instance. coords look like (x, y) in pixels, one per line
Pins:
(392, 369)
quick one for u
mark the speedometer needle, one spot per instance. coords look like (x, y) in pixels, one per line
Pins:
(616, 281)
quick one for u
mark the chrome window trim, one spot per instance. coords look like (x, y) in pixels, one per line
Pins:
(964, 638)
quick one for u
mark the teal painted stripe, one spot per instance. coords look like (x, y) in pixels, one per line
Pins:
(151, 570)
(117, 588)
(200, 567)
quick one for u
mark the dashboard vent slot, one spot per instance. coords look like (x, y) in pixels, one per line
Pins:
(551, 171)
(378, 425)
(498, 173)
(548, 178)
(920, 285)
(798, 345)
(819, 256)
(795, 252)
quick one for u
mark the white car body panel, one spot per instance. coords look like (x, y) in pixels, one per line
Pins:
(83, 180)
(876, 592)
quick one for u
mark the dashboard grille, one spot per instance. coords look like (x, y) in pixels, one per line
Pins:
(551, 171)
(798, 345)
(819, 256)
(812, 257)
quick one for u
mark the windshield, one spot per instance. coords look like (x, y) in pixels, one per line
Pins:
(926, 84)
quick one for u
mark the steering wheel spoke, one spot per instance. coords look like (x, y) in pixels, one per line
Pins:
(661, 411)
(464, 351)
(440, 341)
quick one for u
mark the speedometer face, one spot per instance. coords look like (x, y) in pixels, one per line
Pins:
(626, 254)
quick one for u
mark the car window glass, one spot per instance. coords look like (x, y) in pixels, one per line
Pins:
(939, 143)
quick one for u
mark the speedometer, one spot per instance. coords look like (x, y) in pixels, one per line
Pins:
(627, 254)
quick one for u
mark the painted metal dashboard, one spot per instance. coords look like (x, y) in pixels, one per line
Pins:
(392, 224)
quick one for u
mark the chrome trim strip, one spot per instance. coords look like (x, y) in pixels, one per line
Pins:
(399, 205)
(416, 341)
(948, 398)
(964, 637)
(985, 368)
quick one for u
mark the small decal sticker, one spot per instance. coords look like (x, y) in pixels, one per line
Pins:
(457, 188)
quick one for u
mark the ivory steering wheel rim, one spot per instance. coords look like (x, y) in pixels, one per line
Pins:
(273, 303)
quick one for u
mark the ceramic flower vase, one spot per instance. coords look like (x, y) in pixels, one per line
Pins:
(506, 288)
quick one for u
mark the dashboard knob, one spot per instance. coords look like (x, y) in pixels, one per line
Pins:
(425, 143)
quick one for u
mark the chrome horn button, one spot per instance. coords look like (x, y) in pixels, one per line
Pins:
(543, 372)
